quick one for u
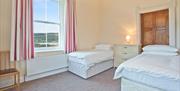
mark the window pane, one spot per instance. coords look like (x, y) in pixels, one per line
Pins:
(40, 39)
(39, 9)
(53, 11)
(39, 27)
(52, 28)
(52, 39)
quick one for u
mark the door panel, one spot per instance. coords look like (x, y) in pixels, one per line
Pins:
(162, 19)
(148, 20)
(155, 28)
(148, 39)
(147, 26)
(163, 39)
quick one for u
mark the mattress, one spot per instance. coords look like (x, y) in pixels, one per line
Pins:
(163, 83)
(91, 57)
(90, 63)
(152, 70)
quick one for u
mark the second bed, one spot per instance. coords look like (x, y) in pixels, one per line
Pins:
(89, 63)
(150, 71)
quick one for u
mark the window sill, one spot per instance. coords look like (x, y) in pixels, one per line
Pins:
(46, 51)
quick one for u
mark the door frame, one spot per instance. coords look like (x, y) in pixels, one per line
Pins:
(171, 6)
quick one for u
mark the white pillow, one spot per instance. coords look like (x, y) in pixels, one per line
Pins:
(104, 47)
(161, 48)
(161, 53)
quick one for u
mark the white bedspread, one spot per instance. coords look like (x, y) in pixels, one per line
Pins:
(92, 57)
(153, 65)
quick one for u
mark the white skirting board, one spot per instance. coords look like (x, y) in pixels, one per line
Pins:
(9, 80)
(39, 67)
(45, 66)
(37, 76)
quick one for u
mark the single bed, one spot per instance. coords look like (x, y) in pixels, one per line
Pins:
(89, 63)
(150, 71)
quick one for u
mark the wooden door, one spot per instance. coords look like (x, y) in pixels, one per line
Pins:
(155, 28)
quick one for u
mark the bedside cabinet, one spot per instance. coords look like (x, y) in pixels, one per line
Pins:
(124, 52)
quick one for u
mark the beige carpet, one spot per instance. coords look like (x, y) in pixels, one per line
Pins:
(69, 82)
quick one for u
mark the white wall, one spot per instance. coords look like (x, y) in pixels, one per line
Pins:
(5, 36)
(119, 19)
(178, 23)
(87, 29)
(5, 24)
(97, 21)
(43, 66)
(88, 23)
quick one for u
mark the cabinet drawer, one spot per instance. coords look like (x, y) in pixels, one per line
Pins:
(126, 49)
(127, 55)
(124, 53)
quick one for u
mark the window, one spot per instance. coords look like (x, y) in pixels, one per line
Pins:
(48, 24)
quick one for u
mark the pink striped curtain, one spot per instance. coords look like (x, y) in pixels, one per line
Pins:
(70, 26)
(22, 42)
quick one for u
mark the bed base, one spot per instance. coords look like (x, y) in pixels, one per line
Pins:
(82, 71)
(128, 85)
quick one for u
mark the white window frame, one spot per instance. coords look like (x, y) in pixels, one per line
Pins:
(61, 31)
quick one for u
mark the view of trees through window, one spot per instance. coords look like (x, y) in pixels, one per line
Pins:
(46, 23)
(42, 41)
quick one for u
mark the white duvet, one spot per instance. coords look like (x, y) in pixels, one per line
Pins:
(92, 57)
(153, 65)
